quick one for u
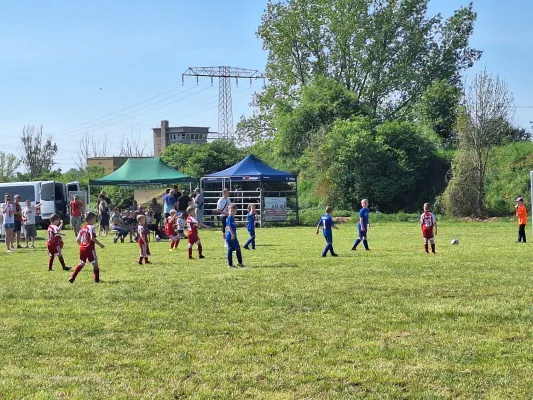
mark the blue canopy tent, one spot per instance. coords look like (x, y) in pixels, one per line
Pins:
(252, 170)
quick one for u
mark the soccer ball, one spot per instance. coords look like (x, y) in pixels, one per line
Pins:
(455, 241)
(157, 238)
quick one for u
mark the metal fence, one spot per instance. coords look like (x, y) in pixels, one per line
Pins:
(242, 198)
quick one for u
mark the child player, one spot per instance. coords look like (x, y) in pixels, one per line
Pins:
(142, 239)
(231, 238)
(521, 216)
(192, 226)
(87, 239)
(250, 226)
(170, 230)
(428, 223)
(181, 226)
(326, 222)
(55, 243)
(363, 225)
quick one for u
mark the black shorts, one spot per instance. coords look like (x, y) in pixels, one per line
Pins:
(18, 226)
(223, 219)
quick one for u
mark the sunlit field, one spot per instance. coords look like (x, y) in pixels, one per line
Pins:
(389, 323)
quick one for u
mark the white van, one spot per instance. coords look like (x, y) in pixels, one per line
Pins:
(48, 197)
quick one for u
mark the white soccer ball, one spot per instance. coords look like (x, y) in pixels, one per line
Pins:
(455, 241)
(157, 238)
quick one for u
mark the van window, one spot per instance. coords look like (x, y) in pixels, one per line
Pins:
(26, 192)
(47, 191)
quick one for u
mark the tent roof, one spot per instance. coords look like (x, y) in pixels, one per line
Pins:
(143, 171)
(252, 168)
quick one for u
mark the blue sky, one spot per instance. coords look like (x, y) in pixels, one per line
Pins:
(65, 63)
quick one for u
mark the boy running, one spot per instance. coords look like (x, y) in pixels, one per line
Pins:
(192, 226)
(87, 239)
(231, 238)
(250, 226)
(363, 225)
(55, 243)
(170, 230)
(521, 216)
(142, 239)
(428, 223)
(326, 222)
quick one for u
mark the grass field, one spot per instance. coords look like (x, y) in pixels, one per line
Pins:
(390, 323)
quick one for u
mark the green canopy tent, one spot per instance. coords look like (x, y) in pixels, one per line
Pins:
(143, 172)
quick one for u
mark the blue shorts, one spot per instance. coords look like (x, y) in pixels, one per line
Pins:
(328, 236)
(9, 226)
(362, 233)
(233, 244)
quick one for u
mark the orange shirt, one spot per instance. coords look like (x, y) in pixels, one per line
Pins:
(521, 214)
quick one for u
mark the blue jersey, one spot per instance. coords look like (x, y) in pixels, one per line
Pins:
(231, 223)
(326, 221)
(251, 222)
(363, 214)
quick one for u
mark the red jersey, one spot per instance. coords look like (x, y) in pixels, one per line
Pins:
(192, 227)
(75, 208)
(427, 220)
(142, 233)
(54, 239)
(85, 238)
(170, 228)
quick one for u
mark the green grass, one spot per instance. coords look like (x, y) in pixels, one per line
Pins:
(390, 323)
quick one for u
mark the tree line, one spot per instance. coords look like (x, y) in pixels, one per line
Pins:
(364, 98)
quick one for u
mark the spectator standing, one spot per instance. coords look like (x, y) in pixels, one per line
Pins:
(8, 213)
(183, 203)
(28, 219)
(76, 210)
(199, 204)
(18, 220)
(223, 210)
(103, 212)
(169, 202)
(177, 193)
(157, 210)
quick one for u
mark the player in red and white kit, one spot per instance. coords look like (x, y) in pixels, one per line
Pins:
(87, 239)
(428, 223)
(192, 227)
(54, 242)
(170, 230)
(142, 239)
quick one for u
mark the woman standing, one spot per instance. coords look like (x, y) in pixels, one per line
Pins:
(157, 210)
(103, 212)
(8, 213)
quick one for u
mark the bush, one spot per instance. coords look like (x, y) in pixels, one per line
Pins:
(310, 216)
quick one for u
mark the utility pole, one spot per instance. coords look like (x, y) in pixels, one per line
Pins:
(224, 75)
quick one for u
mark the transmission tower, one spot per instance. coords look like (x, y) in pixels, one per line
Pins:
(224, 75)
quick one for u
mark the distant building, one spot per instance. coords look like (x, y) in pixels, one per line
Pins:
(167, 135)
(109, 164)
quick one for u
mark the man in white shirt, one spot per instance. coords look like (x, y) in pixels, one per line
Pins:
(199, 204)
(223, 210)
(28, 219)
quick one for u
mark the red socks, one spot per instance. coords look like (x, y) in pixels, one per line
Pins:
(426, 248)
(50, 263)
(433, 247)
(96, 272)
(190, 252)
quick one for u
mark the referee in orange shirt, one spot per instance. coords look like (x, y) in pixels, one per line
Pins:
(521, 215)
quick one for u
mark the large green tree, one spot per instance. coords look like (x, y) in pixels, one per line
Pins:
(387, 52)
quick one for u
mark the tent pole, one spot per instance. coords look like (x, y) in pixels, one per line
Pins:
(297, 206)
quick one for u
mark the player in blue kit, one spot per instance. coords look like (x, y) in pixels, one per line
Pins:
(363, 225)
(250, 226)
(326, 222)
(231, 238)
